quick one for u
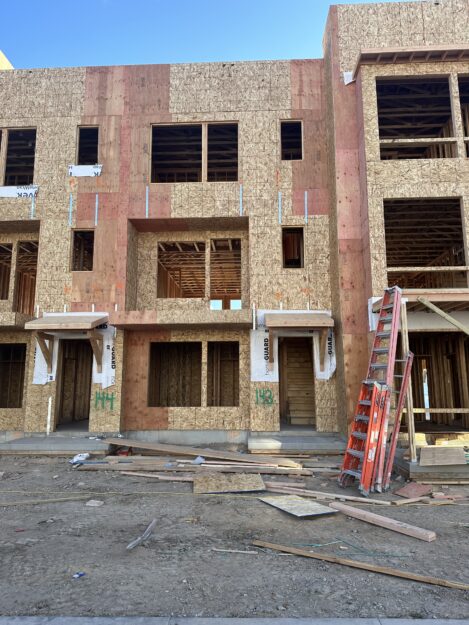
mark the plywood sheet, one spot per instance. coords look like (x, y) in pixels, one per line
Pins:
(298, 506)
(436, 455)
(412, 490)
(220, 483)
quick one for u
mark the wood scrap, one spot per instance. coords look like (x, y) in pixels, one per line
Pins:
(386, 522)
(206, 453)
(145, 536)
(285, 484)
(125, 466)
(219, 483)
(435, 455)
(162, 478)
(33, 502)
(405, 502)
(316, 494)
(235, 551)
(298, 506)
(365, 566)
(412, 490)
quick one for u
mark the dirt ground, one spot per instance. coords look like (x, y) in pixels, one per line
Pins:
(178, 573)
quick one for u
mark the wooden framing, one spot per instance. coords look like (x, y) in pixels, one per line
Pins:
(96, 341)
(46, 345)
(443, 314)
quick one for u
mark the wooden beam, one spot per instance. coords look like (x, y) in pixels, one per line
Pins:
(443, 314)
(46, 344)
(96, 341)
(364, 566)
(382, 521)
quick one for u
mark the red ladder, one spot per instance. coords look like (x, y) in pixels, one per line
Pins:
(364, 457)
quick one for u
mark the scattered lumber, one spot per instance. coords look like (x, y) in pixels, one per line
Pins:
(191, 468)
(219, 483)
(33, 502)
(365, 566)
(405, 502)
(437, 455)
(285, 484)
(145, 536)
(298, 506)
(235, 551)
(317, 494)
(206, 453)
(163, 478)
(386, 522)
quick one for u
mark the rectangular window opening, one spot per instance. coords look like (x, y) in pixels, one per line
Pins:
(222, 152)
(225, 271)
(12, 366)
(87, 153)
(175, 375)
(181, 269)
(6, 250)
(292, 141)
(176, 154)
(223, 373)
(424, 243)
(414, 118)
(83, 249)
(21, 149)
(293, 248)
(26, 271)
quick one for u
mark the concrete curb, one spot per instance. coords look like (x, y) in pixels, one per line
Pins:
(175, 620)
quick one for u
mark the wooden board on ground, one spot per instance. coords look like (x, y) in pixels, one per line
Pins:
(439, 456)
(192, 468)
(180, 450)
(386, 522)
(219, 483)
(412, 490)
(365, 566)
(298, 506)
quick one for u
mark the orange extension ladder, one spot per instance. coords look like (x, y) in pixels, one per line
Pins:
(366, 448)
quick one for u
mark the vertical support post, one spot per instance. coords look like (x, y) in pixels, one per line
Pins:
(204, 151)
(279, 207)
(70, 210)
(306, 207)
(457, 115)
(147, 198)
(409, 402)
(96, 209)
(254, 318)
(33, 206)
(241, 200)
(49, 416)
(207, 268)
(204, 374)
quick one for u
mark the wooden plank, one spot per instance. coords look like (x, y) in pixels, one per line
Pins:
(443, 314)
(316, 494)
(298, 506)
(438, 455)
(381, 521)
(410, 422)
(163, 478)
(219, 483)
(180, 450)
(298, 320)
(364, 566)
(144, 466)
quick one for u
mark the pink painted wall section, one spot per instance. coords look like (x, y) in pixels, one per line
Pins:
(124, 102)
(308, 105)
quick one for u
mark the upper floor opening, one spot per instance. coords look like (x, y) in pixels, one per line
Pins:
(18, 271)
(415, 118)
(17, 153)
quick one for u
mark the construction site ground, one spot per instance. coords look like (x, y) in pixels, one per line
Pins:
(176, 572)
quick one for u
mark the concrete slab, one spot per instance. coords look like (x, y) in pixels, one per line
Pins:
(332, 444)
(53, 445)
(174, 620)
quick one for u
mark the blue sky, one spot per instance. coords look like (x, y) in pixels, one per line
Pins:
(62, 33)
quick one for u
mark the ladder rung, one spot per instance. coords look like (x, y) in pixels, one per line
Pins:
(388, 306)
(356, 453)
(365, 402)
(362, 417)
(378, 365)
(381, 350)
(356, 474)
(360, 435)
(385, 319)
(383, 335)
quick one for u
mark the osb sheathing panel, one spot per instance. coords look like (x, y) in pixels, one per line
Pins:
(137, 415)
(13, 418)
(420, 178)
(400, 24)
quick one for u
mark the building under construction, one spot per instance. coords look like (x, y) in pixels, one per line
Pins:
(193, 252)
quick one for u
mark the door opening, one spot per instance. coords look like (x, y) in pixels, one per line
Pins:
(296, 378)
(74, 385)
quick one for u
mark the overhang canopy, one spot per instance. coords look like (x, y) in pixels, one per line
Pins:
(310, 320)
(67, 322)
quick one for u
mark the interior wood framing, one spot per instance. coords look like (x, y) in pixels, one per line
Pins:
(12, 371)
(415, 118)
(425, 243)
(175, 374)
(6, 251)
(26, 273)
(223, 373)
